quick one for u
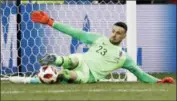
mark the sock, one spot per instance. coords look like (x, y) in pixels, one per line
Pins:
(65, 74)
(64, 61)
(59, 61)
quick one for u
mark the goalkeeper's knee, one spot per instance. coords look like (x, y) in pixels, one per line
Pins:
(70, 62)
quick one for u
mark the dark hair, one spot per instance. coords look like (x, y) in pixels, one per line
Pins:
(122, 24)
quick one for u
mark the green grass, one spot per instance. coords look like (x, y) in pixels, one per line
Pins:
(97, 91)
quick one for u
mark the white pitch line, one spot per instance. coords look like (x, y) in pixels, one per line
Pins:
(91, 90)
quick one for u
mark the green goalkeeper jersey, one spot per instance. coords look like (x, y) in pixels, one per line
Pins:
(103, 57)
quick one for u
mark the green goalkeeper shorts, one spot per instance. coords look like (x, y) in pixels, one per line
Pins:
(83, 72)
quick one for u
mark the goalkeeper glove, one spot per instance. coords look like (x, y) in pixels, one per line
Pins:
(166, 80)
(47, 60)
(41, 17)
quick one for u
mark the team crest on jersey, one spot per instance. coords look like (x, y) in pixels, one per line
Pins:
(120, 54)
(117, 59)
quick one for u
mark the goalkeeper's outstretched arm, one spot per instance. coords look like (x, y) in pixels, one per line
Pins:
(85, 37)
(143, 76)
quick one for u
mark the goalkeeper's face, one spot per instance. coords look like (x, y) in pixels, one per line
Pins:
(117, 35)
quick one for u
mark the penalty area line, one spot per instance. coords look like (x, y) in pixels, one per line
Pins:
(88, 90)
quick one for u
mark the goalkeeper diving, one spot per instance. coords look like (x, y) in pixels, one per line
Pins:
(104, 55)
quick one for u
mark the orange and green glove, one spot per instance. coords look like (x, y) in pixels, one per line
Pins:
(41, 17)
(169, 80)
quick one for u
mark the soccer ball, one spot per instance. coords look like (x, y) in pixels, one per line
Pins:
(48, 74)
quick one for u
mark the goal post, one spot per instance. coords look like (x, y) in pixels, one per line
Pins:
(38, 40)
(131, 35)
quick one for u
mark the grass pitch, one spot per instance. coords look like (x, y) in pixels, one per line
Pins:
(96, 91)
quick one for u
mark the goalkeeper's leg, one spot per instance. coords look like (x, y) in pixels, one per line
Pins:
(80, 74)
(74, 68)
(67, 62)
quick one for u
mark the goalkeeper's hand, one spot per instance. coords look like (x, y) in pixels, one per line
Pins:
(166, 80)
(41, 17)
(47, 60)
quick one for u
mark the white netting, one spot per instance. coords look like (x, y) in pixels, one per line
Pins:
(37, 40)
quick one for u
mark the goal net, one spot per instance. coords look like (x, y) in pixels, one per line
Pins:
(24, 42)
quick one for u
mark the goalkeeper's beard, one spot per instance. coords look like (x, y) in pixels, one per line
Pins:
(115, 43)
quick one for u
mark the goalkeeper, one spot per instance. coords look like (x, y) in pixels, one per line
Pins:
(104, 55)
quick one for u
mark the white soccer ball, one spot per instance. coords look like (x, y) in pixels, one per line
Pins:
(48, 74)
